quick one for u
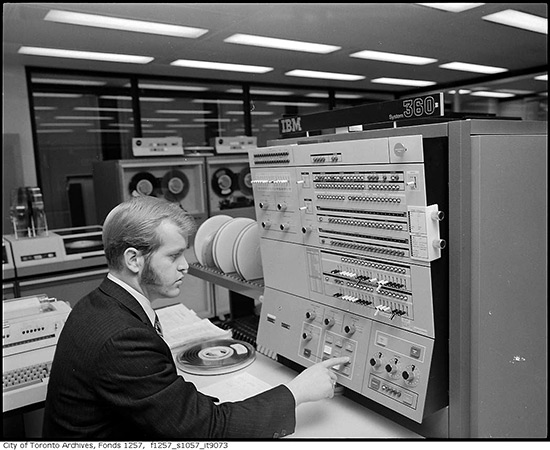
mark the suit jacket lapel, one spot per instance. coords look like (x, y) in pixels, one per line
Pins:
(123, 297)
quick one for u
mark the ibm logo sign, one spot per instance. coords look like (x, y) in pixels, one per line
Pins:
(290, 125)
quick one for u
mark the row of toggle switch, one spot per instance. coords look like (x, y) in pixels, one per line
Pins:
(347, 186)
(362, 198)
(269, 181)
(359, 198)
(358, 186)
(271, 155)
(362, 223)
(380, 308)
(272, 161)
(366, 248)
(341, 178)
(361, 262)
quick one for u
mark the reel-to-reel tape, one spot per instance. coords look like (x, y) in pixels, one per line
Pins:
(215, 357)
(229, 186)
(176, 180)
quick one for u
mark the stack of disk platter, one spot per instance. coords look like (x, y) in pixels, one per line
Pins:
(232, 245)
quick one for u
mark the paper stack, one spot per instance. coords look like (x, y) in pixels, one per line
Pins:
(182, 326)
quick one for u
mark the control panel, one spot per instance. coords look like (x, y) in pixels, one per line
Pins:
(352, 237)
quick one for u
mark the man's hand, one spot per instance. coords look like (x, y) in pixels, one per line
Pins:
(316, 382)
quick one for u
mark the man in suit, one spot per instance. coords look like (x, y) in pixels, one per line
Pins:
(113, 376)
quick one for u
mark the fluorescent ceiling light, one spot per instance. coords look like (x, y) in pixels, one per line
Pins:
(492, 94)
(84, 118)
(403, 82)
(107, 131)
(324, 75)
(182, 111)
(220, 66)
(340, 96)
(159, 119)
(158, 131)
(348, 96)
(460, 91)
(156, 99)
(284, 44)
(393, 57)
(94, 108)
(141, 99)
(64, 130)
(452, 7)
(45, 108)
(74, 54)
(211, 120)
(188, 125)
(171, 87)
(466, 67)
(292, 104)
(259, 92)
(266, 92)
(55, 95)
(69, 82)
(66, 124)
(542, 77)
(116, 97)
(252, 113)
(519, 19)
(217, 102)
(115, 23)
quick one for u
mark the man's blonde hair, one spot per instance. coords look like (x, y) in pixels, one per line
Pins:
(134, 223)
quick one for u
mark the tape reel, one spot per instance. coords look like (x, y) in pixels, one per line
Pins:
(175, 185)
(223, 182)
(245, 181)
(215, 357)
(144, 183)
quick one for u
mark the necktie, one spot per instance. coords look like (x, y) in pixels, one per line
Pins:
(157, 325)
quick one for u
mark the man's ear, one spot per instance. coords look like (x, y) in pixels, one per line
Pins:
(133, 259)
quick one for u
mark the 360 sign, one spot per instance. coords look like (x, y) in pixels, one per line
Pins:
(420, 106)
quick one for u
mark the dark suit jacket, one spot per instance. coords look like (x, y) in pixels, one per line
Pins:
(113, 377)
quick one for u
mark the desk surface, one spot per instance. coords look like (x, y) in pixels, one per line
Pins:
(338, 417)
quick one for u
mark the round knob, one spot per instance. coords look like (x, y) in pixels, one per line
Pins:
(399, 149)
(281, 206)
(408, 375)
(306, 229)
(438, 215)
(310, 315)
(439, 243)
(391, 368)
(306, 336)
(266, 224)
(262, 205)
(284, 226)
(329, 321)
(349, 329)
(375, 363)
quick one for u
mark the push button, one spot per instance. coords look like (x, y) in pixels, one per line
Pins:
(407, 399)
